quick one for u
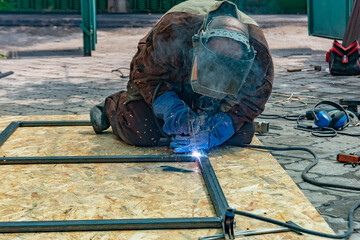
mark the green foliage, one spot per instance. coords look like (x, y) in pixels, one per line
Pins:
(6, 5)
(3, 56)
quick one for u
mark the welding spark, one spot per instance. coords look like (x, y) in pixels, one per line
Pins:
(196, 154)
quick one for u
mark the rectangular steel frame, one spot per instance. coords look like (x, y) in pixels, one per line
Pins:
(217, 196)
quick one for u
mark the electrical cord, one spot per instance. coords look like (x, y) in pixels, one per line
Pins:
(349, 134)
(122, 75)
(290, 99)
(311, 181)
(307, 169)
(275, 116)
(291, 95)
(307, 179)
(300, 229)
(321, 132)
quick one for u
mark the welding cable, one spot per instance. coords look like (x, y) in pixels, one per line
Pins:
(350, 134)
(152, 108)
(321, 132)
(315, 131)
(326, 132)
(311, 181)
(291, 98)
(122, 75)
(300, 229)
(275, 116)
(307, 169)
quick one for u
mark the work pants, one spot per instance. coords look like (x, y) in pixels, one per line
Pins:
(133, 122)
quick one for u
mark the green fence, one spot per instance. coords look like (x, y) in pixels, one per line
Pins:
(48, 5)
(152, 5)
(248, 6)
(272, 6)
(328, 18)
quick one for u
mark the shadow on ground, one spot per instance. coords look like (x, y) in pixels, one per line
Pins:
(77, 52)
(287, 52)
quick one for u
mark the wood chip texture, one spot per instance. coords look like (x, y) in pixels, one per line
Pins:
(252, 181)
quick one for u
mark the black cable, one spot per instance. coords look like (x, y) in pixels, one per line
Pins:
(300, 229)
(307, 169)
(324, 132)
(311, 181)
(315, 131)
(122, 75)
(275, 116)
(321, 132)
(349, 134)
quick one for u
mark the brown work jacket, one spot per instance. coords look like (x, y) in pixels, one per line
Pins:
(165, 53)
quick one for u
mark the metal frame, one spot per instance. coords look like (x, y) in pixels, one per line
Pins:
(217, 196)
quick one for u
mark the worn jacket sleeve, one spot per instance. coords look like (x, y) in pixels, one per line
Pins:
(162, 54)
(257, 88)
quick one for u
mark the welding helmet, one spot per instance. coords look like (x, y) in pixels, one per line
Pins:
(214, 73)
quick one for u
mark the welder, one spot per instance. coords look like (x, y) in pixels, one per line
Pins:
(200, 76)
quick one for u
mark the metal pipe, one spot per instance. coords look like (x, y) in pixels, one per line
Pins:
(10, 129)
(110, 225)
(122, 224)
(54, 123)
(215, 190)
(96, 159)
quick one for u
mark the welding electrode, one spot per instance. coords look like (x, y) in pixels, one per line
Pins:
(191, 121)
(192, 129)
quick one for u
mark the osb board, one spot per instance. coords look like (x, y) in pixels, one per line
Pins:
(251, 180)
(65, 141)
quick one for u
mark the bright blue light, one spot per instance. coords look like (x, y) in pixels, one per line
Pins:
(196, 154)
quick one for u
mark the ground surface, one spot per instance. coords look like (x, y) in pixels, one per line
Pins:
(51, 77)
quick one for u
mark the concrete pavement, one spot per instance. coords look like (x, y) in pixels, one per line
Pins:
(51, 77)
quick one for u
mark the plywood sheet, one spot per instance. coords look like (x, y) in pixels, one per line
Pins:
(251, 180)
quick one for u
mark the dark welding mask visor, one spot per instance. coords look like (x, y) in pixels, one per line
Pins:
(219, 76)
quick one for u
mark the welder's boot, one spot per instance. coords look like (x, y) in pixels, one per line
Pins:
(98, 118)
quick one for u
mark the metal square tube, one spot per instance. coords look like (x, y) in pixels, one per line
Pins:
(211, 182)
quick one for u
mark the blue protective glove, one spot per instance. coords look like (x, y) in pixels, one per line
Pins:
(176, 114)
(220, 129)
